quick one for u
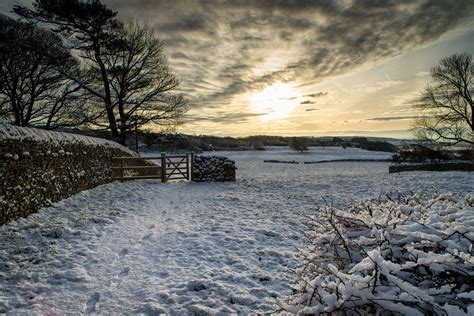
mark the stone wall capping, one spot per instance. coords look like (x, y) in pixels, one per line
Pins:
(38, 167)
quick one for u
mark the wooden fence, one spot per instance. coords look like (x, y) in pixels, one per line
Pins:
(171, 167)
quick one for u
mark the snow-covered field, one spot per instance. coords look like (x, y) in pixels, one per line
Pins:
(148, 247)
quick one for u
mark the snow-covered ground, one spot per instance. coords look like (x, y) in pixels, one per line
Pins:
(148, 247)
(312, 155)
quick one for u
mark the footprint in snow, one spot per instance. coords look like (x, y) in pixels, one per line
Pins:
(92, 303)
(163, 274)
(124, 272)
(147, 236)
(151, 226)
(268, 233)
(123, 252)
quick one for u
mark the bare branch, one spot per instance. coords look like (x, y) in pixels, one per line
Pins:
(446, 104)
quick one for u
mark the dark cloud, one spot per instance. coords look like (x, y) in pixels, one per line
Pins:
(240, 117)
(236, 85)
(175, 43)
(327, 38)
(316, 95)
(221, 49)
(180, 55)
(393, 118)
(307, 102)
(373, 30)
(194, 22)
(311, 110)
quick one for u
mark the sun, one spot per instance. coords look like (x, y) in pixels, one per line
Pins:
(278, 100)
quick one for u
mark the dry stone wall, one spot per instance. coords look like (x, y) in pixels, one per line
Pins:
(213, 168)
(38, 167)
(442, 166)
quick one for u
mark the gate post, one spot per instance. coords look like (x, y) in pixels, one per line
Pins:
(191, 167)
(163, 167)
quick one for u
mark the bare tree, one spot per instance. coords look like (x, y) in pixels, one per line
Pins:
(446, 104)
(88, 28)
(125, 66)
(141, 81)
(30, 83)
(299, 143)
(71, 107)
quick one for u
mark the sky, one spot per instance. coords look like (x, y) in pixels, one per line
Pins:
(302, 67)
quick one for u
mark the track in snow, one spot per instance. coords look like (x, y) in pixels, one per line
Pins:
(147, 247)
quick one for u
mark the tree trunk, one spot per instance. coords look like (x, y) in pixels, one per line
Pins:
(123, 120)
(123, 137)
(472, 132)
(29, 111)
(108, 100)
(16, 112)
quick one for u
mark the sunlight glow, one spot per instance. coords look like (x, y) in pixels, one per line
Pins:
(278, 100)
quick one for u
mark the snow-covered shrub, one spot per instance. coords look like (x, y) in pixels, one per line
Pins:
(392, 255)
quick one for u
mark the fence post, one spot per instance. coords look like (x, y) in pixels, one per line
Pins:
(191, 167)
(163, 167)
(121, 170)
(136, 137)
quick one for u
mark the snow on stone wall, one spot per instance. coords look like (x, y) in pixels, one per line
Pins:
(213, 168)
(13, 132)
(38, 167)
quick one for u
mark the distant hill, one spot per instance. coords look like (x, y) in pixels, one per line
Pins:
(177, 142)
(198, 143)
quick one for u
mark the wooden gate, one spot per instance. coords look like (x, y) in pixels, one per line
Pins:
(176, 167)
(170, 167)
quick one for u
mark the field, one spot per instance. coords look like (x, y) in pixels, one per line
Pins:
(180, 247)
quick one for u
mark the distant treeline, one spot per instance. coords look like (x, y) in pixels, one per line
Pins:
(197, 143)
(208, 143)
(416, 154)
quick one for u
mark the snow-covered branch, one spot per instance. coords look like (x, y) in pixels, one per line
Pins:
(397, 254)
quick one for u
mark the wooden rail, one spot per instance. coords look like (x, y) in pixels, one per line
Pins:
(172, 167)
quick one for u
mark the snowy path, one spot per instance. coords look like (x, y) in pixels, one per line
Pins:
(182, 247)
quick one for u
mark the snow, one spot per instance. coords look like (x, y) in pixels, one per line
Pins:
(8, 131)
(312, 155)
(179, 247)
(422, 256)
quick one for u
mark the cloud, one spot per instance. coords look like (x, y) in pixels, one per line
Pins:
(223, 50)
(314, 39)
(316, 95)
(395, 133)
(311, 110)
(307, 102)
(394, 118)
(423, 74)
(193, 22)
(221, 117)
(377, 86)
